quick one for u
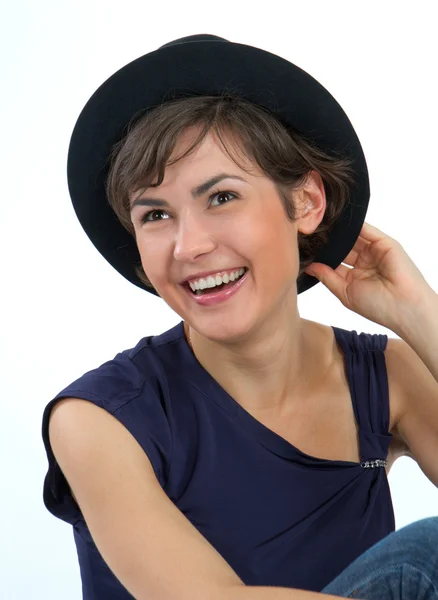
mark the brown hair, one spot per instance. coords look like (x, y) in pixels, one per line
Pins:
(282, 154)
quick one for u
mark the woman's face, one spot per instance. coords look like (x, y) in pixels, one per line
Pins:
(234, 223)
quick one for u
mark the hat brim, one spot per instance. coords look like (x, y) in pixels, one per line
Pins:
(206, 67)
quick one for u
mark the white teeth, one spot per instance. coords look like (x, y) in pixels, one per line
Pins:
(210, 281)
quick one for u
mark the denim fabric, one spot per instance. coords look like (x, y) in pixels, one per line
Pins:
(401, 566)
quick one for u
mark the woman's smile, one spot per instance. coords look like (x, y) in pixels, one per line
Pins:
(217, 294)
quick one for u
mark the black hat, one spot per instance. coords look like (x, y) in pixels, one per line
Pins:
(206, 65)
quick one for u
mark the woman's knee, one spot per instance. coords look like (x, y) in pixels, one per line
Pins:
(406, 558)
(418, 542)
(424, 530)
(415, 544)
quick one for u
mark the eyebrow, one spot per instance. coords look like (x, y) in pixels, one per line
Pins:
(196, 192)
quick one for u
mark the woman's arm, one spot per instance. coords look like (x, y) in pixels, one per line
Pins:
(148, 543)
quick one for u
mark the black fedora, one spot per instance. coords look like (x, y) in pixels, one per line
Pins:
(206, 64)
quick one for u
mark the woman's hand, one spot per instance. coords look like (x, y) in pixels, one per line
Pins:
(383, 284)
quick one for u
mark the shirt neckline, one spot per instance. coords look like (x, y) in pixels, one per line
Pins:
(200, 379)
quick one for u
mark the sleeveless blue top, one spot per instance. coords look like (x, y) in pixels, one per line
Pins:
(278, 516)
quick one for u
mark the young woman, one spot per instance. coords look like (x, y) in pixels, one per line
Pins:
(243, 453)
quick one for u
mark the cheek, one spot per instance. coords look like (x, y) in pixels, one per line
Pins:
(143, 250)
(275, 253)
(152, 258)
(272, 238)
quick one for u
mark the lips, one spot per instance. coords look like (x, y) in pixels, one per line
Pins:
(216, 296)
(213, 274)
(216, 288)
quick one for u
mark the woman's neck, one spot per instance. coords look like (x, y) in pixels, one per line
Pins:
(270, 373)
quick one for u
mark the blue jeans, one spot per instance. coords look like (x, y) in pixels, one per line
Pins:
(402, 566)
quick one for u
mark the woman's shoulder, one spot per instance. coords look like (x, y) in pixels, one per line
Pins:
(348, 339)
(115, 381)
(111, 383)
(130, 388)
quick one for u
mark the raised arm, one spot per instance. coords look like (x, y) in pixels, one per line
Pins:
(150, 546)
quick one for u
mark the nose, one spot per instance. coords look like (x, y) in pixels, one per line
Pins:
(192, 239)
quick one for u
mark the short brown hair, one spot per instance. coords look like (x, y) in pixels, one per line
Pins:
(283, 155)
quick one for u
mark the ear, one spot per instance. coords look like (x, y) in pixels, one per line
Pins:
(311, 203)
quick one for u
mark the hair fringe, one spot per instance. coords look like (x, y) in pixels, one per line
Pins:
(257, 135)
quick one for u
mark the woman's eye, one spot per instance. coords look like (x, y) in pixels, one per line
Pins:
(146, 217)
(218, 194)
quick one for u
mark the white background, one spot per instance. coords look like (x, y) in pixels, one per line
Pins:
(65, 310)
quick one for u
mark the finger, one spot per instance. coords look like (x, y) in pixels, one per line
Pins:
(333, 279)
(353, 255)
(351, 258)
(371, 233)
(342, 271)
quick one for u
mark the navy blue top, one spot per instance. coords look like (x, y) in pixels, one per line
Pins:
(278, 516)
